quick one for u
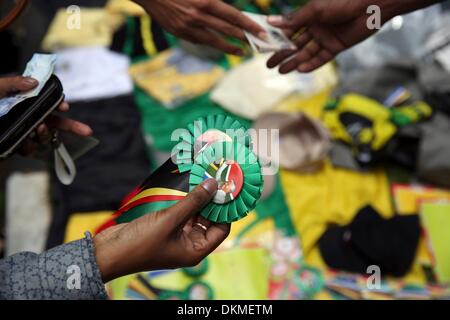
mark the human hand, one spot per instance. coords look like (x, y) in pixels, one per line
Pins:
(329, 27)
(171, 238)
(10, 85)
(203, 21)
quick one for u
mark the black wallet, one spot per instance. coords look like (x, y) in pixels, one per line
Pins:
(23, 118)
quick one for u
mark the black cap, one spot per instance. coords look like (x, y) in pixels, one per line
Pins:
(371, 240)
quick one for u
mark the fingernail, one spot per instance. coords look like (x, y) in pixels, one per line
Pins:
(275, 19)
(210, 185)
(88, 131)
(30, 81)
(303, 68)
(64, 106)
(41, 128)
(262, 35)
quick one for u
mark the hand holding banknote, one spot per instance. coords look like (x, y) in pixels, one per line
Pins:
(321, 29)
(203, 21)
(275, 39)
(20, 85)
(39, 68)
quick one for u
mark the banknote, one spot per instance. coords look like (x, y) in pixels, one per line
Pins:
(276, 39)
(40, 67)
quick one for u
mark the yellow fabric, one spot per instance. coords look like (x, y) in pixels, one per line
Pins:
(382, 127)
(135, 284)
(325, 77)
(232, 274)
(332, 195)
(164, 82)
(436, 220)
(312, 106)
(96, 27)
(263, 4)
(261, 233)
(79, 223)
(117, 289)
(407, 199)
(125, 7)
(234, 60)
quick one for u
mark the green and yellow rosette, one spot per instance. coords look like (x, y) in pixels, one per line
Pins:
(238, 173)
(202, 132)
(223, 154)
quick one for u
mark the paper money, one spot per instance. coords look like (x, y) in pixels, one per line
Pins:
(40, 67)
(276, 39)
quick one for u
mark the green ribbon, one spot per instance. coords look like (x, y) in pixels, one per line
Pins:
(232, 128)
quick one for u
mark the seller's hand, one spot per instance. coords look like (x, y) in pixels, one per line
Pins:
(9, 85)
(171, 238)
(202, 21)
(330, 26)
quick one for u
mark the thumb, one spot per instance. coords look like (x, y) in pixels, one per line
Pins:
(196, 200)
(19, 83)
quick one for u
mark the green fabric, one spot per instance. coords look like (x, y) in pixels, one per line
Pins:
(128, 45)
(276, 207)
(158, 123)
(275, 6)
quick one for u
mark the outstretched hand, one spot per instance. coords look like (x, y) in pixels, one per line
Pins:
(321, 29)
(203, 21)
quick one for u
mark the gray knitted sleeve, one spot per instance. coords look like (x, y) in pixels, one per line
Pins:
(68, 271)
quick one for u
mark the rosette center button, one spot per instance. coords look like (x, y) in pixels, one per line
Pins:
(229, 177)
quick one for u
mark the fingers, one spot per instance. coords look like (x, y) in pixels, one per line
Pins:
(31, 144)
(223, 27)
(305, 54)
(196, 200)
(296, 20)
(216, 234)
(43, 133)
(206, 241)
(234, 16)
(63, 107)
(307, 59)
(69, 125)
(322, 57)
(207, 37)
(280, 56)
(18, 83)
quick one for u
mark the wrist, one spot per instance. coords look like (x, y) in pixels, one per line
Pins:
(107, 261)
